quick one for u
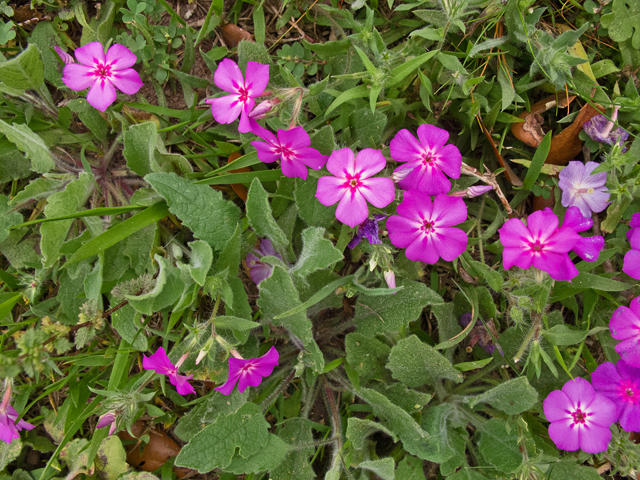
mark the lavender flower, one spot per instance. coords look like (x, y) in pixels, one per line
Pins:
(258, 270)
(601, 130)
(582, 189)
(369, 230)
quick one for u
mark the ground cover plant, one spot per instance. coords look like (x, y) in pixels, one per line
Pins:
(319, 239)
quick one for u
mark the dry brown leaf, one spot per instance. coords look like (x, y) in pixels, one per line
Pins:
(233, 35)
(239, 188)
(567, 145)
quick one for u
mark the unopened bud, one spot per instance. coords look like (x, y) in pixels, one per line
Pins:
(108, 418)
(263, 108)
(64, 56)
(471, 192)
(205, 350)
(401, 174)
(390, 278)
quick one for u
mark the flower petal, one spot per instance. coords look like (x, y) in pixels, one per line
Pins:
(257, 78)
(631, 265)
(432, 137)
(449, 160)
(120, 57)
(629, 351)
(352, 209)
(556, 405)
(448, 211)
(128, 81)
(294, 138)
(558, 265)
(91, 54)
(78, 77)
(244, 126)
(624, 324)
(514, 234)
(416, 206)
(542, 224)
(293, 168)
(450, 243)
(369, 162)
(330, 190)
(225, 109)
(181, 382)
(159, 362)
(101, 95)
(602, 411)
(379, 191)
(402, 231)
(341, 162)
(579, 390)
(227, 387)
(422, 249)
(589, 248)
(516, 256)
(595, 439)
(574, 219)
(405, 148)
(228, 77)
(311, 157)
(266, 152)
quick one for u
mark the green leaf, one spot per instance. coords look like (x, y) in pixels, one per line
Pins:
(119, 232)
(25, 72)
(568, 469)
(360, 91)
(367, 63)
(140, 147)
(40, 188)
(317, 252)
(400, 72)
(201, 259)
(13, 164)
(90, 117)
(622, 21)
(94, 212)
(317, 297)
(410, 468)
(444, 441)
(512, 397)
(415, 363)
(499, 447)
(31, 144)
(230, 255)
(467, 473)
(563, 335)
(7, 217)
(54, 234)
(214, 447)
(383, 467)
(466, 366)
(358, 433)
(278, 294)
(367, 356)
(381, 314)
(111, 460)
(297, 463)
(201, 208)
(167, 290)
(603, 68)
(261, 219)
(245, 177)
(537, 162)
(309, 208)
(9, 452)
(234, 323)
(124, 321)
(367, 126)
(266, 458)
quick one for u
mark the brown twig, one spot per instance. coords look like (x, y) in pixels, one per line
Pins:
(490, 179)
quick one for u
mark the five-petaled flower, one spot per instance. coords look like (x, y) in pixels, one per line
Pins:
(291, 147)
(8, 427)
(428, 160)
(587, 248)
(424, 227)
(228, 77)
(621, 384)
(625, 326)
(258, 270)
(580, 418)
(354, 185)
(160, 363)
(248, 373)
(580, 188)
(103, 73)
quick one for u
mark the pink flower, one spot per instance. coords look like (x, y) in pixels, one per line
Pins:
(64, 56)
(582, 189)
(103, 73)
(263, 108)
(428, 160)
(390, 279)
(8, 427)
(587, 248)
(621, 384)
(248, 373)
(160, 363)
(580, 418)
(228, 77)
(424, 227)
(108, 419)
(631, 265)
(353, 186)
(625, 326)
(258, 270)
(291, 147)
(541, 244)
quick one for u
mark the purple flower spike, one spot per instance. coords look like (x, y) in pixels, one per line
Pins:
(108, 419)
(601, 130)
(353, 184)
(8, 427)
(428, 160)
(424, 228)
(540, 244)
(580, 418)
(587, 248)
(228, 77)
(621, 384)
(64, 56)
(368, 229)
(103, 73)
(625, 326)
(258, 270)
(248, 373)
(160, 363)
(290, 147)
(582, 189)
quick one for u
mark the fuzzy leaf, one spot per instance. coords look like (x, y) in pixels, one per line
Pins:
(261, 219)
(624, 22)
(31, 144)
(317, 252)
(111, 460)
(383, 467)
(297, 463)
(499, 447)
(267, 458)
(512, 397)
(309, 208)
(25, 72)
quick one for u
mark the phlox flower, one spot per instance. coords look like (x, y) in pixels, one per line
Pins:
(424, 227)
(541, 244)
(601, 130)
(8, 427)
(625, 326)
(368, 229)
(248, 373)
(160, 363)
(582, 189)
(621, 384)
(258, 270)
(428, 160)
(103, 73)
(587, 248)
(108, 419)
(580, 418)
(631, 265)
(290, 147)
(228, 77)
(353, 184)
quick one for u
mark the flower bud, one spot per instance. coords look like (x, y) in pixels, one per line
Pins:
(263, 108)
(205, 350)
(64, 56)
(390, 278)
(398, 175)
(108, 418)
(477, 190)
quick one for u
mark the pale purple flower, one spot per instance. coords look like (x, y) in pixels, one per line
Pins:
(428, 160)
(587, 248)
(228, 77)
(8, 427)
(103, 73)
(258, 270)
(160, 363)
(631, 265)
(424, 227)
(580, 418)
(582, 189)
(601, 130)
(621, 384)
(108, 419)
(480, 335)
(540, 244)
(248, 373)
(354, 185)
(368, 229)
(625, 326)
(290, 147)
(64, 56)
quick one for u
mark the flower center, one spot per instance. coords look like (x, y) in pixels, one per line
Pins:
(536, 247)
(427, 159)
(630, 392)
(243, 94)
(427, 227)
(579, 416)
(247, 368)
(284, 152)
(103, 71)
(353, 183)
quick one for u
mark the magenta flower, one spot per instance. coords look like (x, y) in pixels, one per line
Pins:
(582, 189)
(631, 265)
(625, 326)
(103, 73)
(291, 147)
(108, 419)
(228, 77)
(580, 418)
(621, 384)
(353, 184)
(428, 160)
(424, 227)
(160, 363)
(541, 244)
(64, 56)
(258, 270)
(587, 248)
(248, 373)
(8, 427)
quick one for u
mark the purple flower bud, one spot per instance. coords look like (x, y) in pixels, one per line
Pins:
(64, 56)
(477, 190)
(601, 130)
(108, 418)
(400, 174)
(258, 270)
(263, 108)
(369, 230)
